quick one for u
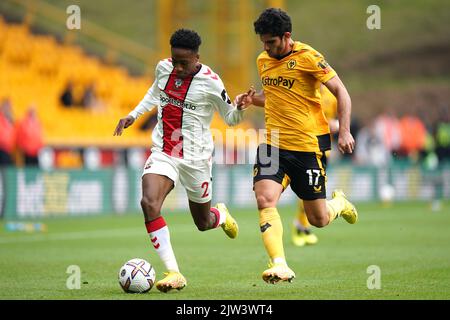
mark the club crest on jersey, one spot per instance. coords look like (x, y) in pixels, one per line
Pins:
(291, 64)
(178, 83)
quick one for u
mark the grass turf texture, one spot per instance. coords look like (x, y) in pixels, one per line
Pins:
(407, 241)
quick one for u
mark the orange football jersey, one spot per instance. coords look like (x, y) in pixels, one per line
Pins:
(294, 116)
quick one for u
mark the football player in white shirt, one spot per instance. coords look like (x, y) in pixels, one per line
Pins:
(187, 94)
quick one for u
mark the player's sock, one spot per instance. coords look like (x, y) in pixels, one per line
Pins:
(298, 226)
(335, 207)
(219, 216)
(272, 234)
(303, 219)
(160, 238)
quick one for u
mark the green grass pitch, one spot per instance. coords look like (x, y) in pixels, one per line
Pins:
(409, 243)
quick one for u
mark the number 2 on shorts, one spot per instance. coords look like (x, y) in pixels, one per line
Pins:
(205, 186)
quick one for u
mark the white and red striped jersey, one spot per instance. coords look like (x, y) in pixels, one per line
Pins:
(185, 110)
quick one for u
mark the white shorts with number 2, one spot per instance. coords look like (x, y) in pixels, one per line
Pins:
(195, 176)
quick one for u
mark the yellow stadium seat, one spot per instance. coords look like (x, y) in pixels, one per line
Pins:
(36, 70)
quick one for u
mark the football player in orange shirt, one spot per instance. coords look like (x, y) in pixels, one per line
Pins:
(298, 135)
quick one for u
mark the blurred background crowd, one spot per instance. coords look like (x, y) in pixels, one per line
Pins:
(62, 91)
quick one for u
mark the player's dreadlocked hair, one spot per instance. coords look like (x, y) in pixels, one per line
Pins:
(185, 39)
(273, 21)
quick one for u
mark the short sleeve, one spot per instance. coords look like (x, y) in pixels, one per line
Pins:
(315, 64)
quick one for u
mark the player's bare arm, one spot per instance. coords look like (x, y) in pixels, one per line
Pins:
(259, 99)
(123, 124)
(250, 97)
(244, 100)
(346, 143)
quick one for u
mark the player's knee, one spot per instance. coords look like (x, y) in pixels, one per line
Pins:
(265, 201)
(150, 206)
(319, 221)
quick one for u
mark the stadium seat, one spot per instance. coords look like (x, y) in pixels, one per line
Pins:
(36, 69)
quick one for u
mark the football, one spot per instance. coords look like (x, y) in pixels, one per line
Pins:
(137, 276)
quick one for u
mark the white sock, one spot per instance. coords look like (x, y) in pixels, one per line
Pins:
(278, 260)
(160, 238)
(223, 217)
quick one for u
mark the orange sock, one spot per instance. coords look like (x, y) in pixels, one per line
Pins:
(272, 233)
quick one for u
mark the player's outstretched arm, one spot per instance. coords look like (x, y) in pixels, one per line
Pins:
(244, 100)
(250, 97)
(123, 124)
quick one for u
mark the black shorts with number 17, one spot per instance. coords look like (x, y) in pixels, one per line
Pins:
(304, 171)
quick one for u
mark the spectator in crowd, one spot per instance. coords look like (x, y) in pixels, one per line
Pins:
(90, 100)
(443, 135)
(29, 137)
(89, 97)
(387, 128)
(413, 135)
(67, 96)
(7, 133)
(372, 149)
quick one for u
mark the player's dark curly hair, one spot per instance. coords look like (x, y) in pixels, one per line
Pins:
(185, 39)
(273, 21)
